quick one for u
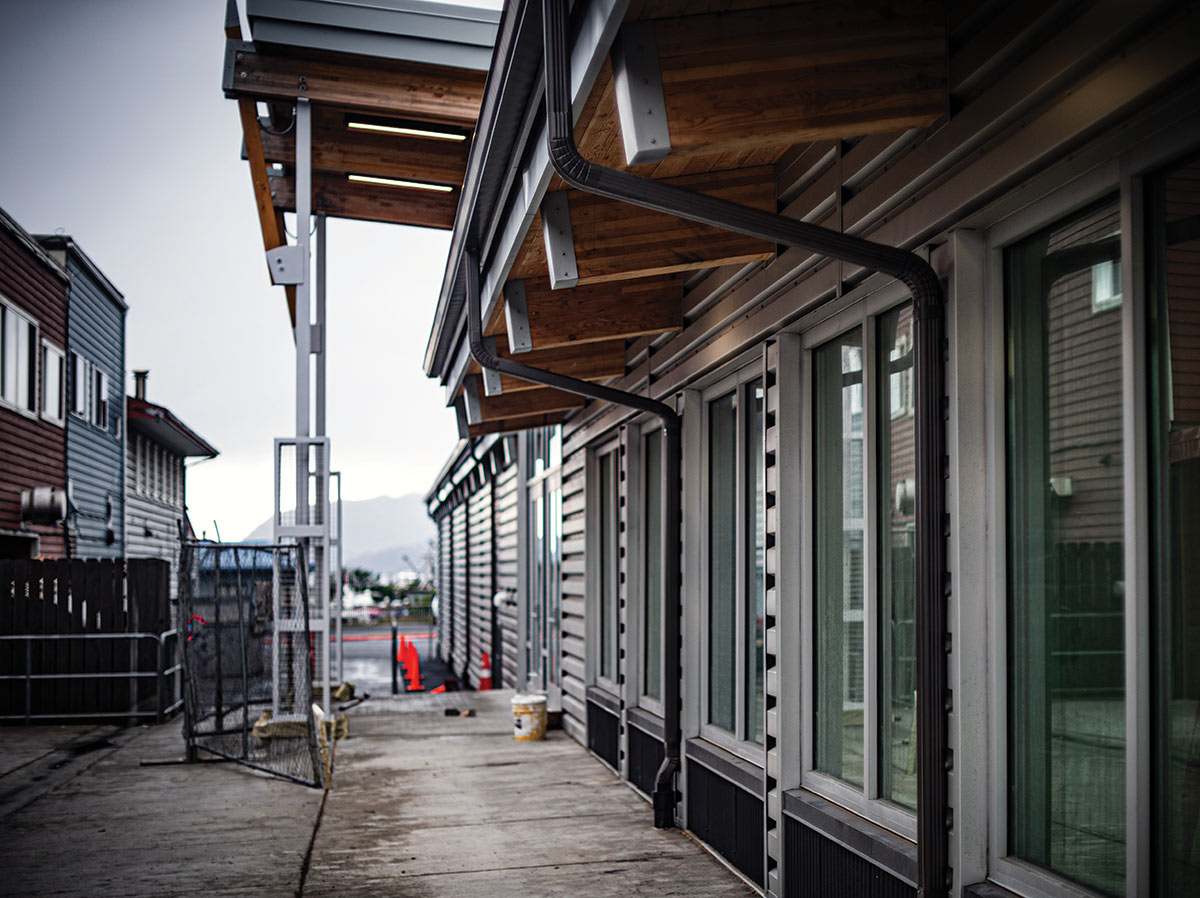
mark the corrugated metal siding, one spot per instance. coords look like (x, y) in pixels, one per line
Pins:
(482, 584)
(729, 819)
(445, 587)
(817, 866)
(458, 652)
(96, 457)
(152, 526)
(34, 451)
(602, 733)
(645, 756)
(574, 682)
(504, 661)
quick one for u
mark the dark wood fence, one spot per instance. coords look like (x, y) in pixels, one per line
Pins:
(74, 597)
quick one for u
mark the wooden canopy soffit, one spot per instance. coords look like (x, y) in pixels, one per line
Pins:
(422, 175)
(512, 425)
(592, 361)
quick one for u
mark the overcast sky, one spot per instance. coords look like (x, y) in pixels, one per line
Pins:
(114, 130)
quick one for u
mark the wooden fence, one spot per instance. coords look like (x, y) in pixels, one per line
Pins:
(74, 597)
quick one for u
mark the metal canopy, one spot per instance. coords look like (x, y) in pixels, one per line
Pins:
(432, 33)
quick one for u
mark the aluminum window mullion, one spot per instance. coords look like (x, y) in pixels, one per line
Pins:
(1138, 552)
(870, 634)
(808, 547)
(740, 567)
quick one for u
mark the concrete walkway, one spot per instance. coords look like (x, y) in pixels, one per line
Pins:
(422, 805)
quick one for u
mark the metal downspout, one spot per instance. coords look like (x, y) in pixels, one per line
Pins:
(664, 785)
(932, 583)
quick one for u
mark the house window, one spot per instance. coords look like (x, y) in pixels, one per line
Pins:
(859, 735)
(1173, 265)
(1066, 697)
(733, 701)
(543, 461)
(652, 522)
(79, 385)
(18, 359)
(53, 376)
(100, 399)
(607, 470)
(139, 464)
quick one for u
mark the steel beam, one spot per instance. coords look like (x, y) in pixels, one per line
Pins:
(516, 316)
(560, 242)
(637, 83)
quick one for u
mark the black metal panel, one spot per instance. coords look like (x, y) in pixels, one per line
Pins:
(602, 733)
(728, 818)
(815, 865)
(645, 757)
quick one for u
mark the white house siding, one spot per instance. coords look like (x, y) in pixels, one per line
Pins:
(152, 525)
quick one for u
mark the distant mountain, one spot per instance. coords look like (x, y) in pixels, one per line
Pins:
(379, 533)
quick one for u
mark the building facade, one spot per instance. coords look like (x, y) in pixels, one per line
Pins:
(1055, 195)
(33, 341)
(95, 423)
(158, 446)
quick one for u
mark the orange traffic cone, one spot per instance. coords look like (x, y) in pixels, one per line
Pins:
(414, 670)
(485, 673)
(438, 689)
(402, 652)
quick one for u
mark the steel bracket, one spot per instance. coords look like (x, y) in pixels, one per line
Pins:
(286, 264)
(637, 83)
(560, 243)
(516, 316)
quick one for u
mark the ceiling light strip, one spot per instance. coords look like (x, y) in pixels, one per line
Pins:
(393, 182)
(407, 132)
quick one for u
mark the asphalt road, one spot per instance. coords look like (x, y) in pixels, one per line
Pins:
(368, 653)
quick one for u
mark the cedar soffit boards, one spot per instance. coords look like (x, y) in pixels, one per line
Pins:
(395, 90)
(740, 87)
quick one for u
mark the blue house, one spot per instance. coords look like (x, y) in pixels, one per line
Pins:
(95, 405)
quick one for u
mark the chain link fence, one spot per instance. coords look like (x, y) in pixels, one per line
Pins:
(248, 657)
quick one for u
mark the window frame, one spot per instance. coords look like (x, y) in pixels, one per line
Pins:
(611, 447)
(863, 313)
(636, 537)
(100, 398)
(49, 348)
(1125, 177)
(81, 386)
(7, 308)
(737, 380)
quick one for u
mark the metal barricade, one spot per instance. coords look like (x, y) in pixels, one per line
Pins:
(165, 701)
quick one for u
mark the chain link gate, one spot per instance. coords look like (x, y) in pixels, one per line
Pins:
(248, 657)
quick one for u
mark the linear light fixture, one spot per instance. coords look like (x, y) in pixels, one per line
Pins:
(405, 131)
(393, 182)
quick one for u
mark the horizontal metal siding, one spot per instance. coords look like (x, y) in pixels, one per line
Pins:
(34, 451)
(815, 865)
(504, 661)
(573, 590)
(729, 819)
(480, 579)
(95, 456)
(458, 653)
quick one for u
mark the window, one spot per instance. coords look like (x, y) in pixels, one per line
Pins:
(79, 385)
(1173, 264)
(100, 399)
(1065, 544)
(860, 735)
(139, 464)
(53, 377)
(543, 461)
(733, 697)
(607, 471)
(18, 359)
(652, 522)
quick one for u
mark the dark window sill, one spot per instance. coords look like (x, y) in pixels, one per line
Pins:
(725, 763)
(649, 723)
(868, 840)
(604, 699)
(987, 890)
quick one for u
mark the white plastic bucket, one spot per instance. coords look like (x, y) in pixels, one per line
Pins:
(529, 716)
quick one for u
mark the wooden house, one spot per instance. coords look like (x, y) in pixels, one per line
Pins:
(33, 341)
(157, 448)
(95, 420)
